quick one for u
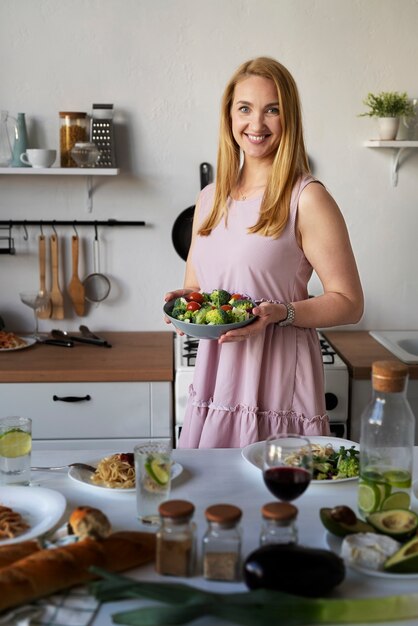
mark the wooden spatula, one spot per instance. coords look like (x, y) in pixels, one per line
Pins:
(45, 311)
(57, 298)
(76, 287)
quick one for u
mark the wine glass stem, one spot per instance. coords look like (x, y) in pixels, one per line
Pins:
(36, 333)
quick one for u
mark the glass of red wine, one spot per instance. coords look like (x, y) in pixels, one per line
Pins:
(287, 466)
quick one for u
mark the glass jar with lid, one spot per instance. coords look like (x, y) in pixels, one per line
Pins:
(222, 543)
(278, 523)
(73, 129)
(176, 540)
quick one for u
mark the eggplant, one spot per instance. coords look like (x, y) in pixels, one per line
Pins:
(294, 569)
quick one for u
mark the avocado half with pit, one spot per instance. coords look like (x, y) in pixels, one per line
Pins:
(405, 560)
(401, 524)
(342, 521)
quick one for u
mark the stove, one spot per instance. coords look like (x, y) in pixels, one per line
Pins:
(335, 377)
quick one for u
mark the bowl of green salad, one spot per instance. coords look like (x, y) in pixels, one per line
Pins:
(210, 315)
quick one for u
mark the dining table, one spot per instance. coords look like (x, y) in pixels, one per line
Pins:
(207, 477)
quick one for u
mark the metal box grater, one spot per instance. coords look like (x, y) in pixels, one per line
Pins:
(102, 134)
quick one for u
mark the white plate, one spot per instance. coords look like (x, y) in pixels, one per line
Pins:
(80, 475)
(254, 454)
(334, 543)
(29, 342)
(40, 508)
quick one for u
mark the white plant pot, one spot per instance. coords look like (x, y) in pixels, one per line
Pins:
(388, 127)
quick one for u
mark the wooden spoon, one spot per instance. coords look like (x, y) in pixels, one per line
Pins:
(45, 311)
(76, 287)
(57, 298)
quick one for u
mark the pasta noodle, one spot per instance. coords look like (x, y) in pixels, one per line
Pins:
(115, 472)
(10, 340)
(11, 523)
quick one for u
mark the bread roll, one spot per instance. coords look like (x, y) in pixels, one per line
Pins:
(85, 521)
(49, 571)
(9, 553)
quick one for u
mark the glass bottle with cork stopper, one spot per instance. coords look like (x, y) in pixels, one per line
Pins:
(386, 442)
(278, 523)
(222, 543)
(176, 539)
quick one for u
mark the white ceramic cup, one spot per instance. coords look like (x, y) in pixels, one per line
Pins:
(39, 157)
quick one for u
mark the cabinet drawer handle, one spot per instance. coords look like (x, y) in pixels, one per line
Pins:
(71, 398)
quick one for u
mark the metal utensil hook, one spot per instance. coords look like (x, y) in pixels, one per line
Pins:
(41, 227)
(54, 229)
(75, 229)
(25, 232)
(96, 235)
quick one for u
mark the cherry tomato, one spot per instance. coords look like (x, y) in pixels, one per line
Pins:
(236, 296)
(193, 306)
(226, 307)
(195, 296)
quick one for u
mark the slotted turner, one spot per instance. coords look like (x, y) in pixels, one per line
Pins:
(57, 298)
(76, 288)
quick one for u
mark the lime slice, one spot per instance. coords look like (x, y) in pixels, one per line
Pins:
(398, 478)
(372, 476)
(398, 500)
(368, 497)
(384, 490)
(15, 443)
(157, 470)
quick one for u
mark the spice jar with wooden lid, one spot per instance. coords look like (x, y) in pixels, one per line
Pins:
(278, 523)
(176, 539)
(222, 543)
(386, 442)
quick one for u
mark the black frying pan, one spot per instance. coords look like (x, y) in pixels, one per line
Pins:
(181, 234)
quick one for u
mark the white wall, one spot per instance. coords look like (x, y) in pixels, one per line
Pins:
(164, 63)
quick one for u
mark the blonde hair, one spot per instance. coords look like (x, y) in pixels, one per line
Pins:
(289, 162)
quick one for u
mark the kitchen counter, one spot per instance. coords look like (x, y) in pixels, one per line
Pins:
(134, 356)
(358, 350)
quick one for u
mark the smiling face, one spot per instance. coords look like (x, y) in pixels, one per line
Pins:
(255, 117)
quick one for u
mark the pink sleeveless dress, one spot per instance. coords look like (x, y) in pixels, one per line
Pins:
(273, 382)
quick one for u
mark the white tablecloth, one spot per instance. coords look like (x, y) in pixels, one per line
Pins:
(210, 477)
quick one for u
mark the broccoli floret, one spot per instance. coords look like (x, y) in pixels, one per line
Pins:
(177, 311)
(219, 297)
(246, 305)
(206, 296)
(348, 463)
(216, 316)
(200, 315)
(238, 315)
(180, 303)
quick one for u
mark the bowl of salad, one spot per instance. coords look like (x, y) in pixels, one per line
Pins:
(210, 315)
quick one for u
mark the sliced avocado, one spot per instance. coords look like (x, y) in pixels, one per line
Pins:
(405, 560)
(400, 524)
(339, 523)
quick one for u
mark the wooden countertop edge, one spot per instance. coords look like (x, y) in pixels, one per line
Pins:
(358, 349)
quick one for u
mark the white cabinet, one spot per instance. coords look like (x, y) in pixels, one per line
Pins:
(91, 410)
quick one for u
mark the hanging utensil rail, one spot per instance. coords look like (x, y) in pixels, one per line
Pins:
(111, 222)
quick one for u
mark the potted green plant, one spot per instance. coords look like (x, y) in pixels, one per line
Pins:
(388, 107)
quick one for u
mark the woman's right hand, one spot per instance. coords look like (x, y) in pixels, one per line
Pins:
(172, 295)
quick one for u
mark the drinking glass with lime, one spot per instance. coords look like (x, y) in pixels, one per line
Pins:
(15, 450)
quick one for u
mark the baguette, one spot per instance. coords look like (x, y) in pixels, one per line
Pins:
(10, 553)
(48, 571)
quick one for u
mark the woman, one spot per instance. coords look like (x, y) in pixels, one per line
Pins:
(261, 230)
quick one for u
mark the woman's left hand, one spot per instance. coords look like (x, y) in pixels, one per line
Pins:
(266, 312)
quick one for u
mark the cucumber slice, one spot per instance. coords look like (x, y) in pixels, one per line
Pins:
(156, 468)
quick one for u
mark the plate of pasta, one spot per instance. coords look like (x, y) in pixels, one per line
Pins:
(325, 450)
(11, 341)
(28, 512)
(115, 473)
